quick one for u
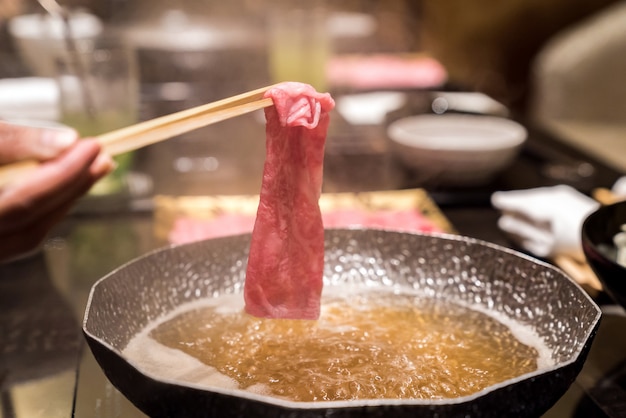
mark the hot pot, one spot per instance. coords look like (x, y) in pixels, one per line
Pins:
(443, 266)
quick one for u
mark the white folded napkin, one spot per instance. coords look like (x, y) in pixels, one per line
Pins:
(546, 221)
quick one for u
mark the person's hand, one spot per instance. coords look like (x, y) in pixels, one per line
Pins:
(32, 205)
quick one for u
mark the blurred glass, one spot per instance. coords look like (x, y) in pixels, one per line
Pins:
(98, 93)
(39, 38)
(299, 45)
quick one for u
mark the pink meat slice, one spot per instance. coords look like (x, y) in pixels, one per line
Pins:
(189, 229)
(286, 260)
(398, 220)
(412, 220)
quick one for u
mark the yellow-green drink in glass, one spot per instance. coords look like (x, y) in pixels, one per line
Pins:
(99, 93)
(299, 46)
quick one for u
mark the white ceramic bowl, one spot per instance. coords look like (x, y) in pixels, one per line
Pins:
(455, 149)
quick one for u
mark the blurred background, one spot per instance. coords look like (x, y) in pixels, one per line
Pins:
(556, 64)
(485, 45)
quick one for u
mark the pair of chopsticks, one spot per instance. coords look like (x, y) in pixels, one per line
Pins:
(159, 129)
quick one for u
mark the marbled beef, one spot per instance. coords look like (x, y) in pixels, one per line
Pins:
(285, 265)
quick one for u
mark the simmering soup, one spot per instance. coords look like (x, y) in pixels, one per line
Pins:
(368, 345)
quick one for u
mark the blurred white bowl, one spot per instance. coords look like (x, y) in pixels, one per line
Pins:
(455, 149)
(40, 38)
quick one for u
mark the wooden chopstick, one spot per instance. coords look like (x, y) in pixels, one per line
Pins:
(581, 272)
(155, 130)
(606, 196)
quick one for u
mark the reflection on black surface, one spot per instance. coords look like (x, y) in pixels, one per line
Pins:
(608, 397)
(604, 375)
(587, 408)
(39, 335)
(38, 332)
(611, 391)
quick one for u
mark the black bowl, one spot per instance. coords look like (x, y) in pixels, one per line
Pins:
(462, 269)
(598, 231)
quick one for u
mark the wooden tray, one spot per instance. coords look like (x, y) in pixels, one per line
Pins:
(170, 208)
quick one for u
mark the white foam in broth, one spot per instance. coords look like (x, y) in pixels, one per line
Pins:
(174, 364)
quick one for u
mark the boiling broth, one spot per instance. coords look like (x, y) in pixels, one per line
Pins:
(371, 345)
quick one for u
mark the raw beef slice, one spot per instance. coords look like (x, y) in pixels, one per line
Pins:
(286, 261)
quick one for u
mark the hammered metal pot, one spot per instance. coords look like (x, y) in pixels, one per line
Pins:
(463, 269)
